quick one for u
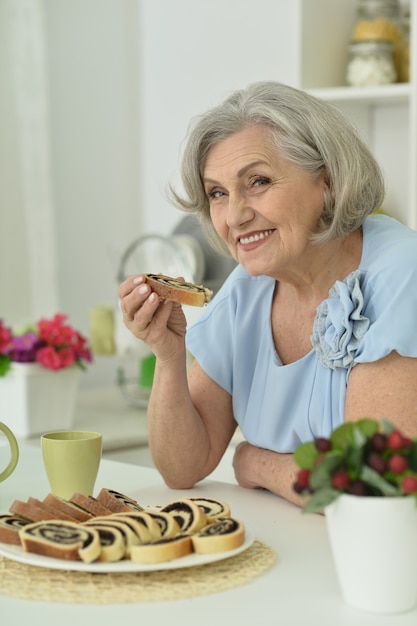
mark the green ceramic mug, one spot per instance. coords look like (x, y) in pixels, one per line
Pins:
(71, 459)
(14, 452)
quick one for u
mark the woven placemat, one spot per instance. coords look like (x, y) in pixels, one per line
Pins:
(50, 585)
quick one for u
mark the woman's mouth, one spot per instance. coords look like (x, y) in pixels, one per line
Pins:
(255, 237)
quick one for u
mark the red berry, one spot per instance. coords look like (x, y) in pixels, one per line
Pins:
(303, 478)
(379, 442)
(322, 444)
(340, 479)
(298, 488)
(395, 440)
(377, 462)
(358, 488)
(409, 484)
(397, 464)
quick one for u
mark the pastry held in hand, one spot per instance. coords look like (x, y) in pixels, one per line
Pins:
(169, 288)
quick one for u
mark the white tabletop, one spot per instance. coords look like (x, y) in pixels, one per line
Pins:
(300, 588)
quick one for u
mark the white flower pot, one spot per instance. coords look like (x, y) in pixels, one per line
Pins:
(34, 400)
(374, 545)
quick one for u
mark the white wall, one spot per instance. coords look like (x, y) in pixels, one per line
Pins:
(193, 53)
(123, 78)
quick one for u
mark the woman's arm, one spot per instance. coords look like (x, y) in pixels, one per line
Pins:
(190, 423)
(384, 389)
(190, 418)
(260, 468)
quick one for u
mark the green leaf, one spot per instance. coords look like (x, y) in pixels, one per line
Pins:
(320, 500)
(368, 426)
(342, 436)
(5, 364)
(387, 427)
(372, 478)
(412, 457)
(305, 455)
(321, 475)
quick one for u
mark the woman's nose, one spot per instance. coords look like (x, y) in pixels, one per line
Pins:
(239, 210)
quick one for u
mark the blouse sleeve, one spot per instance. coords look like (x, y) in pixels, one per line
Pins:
(370, 313)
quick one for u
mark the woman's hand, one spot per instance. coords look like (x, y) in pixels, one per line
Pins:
(261, 468)
(160, 324)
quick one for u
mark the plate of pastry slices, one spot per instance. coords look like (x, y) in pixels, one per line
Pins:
(16, 553)
(113, 533)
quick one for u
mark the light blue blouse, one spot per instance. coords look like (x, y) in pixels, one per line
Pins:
(365, 317)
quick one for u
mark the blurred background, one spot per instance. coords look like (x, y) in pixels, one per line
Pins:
(95, 100)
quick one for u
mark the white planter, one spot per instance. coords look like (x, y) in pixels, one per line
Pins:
(374, 545)
(34, 400)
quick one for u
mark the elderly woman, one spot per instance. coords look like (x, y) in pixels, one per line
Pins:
(318, 322)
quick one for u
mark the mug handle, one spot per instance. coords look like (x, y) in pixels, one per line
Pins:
(14, 452)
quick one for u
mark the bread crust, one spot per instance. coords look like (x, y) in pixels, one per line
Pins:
(118, 502)
(31, 511)
(64, 506)
(221, 536)
(161, 550)
(213, 508)
(61, 540)
(10, 525)
(175, 290)
(57, 514)
(90, 504)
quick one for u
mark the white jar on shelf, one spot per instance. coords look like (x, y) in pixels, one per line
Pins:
(370, 63)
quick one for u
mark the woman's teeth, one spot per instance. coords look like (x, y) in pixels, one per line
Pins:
(257, 237)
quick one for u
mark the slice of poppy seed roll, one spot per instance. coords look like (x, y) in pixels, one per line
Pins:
(10, 525)
(213, 508)
(118, 502)
(161, 550)
(112, 541)
(221, 536)
(145, 520)
(61, 540)
(190, 517)
(60, 504)
(166, 522)
(130, 537)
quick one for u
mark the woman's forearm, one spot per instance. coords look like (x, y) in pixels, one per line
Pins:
(260, 468)
(177, 436)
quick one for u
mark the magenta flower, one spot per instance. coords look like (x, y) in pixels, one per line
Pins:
(55, 346)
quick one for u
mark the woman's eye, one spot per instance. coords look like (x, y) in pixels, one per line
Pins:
(260, 181)
(214, 194)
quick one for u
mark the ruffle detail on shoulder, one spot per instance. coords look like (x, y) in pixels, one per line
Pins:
(339, 325)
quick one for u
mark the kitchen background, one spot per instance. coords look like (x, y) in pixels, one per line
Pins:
(95, 100)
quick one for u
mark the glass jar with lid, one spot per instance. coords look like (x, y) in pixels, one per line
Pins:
(380, 20)
(370, 63)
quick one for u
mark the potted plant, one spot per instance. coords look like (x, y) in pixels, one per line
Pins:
(39, 374)
(364, 478)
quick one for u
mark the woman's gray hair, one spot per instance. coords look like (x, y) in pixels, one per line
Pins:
(309, 132)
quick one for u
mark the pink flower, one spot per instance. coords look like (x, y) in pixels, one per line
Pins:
(5, 337)
(55, 346)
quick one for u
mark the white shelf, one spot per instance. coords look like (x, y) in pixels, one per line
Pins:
(381, 94)
(385, 115)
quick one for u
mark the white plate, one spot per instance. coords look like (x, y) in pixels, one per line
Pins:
(16, 553)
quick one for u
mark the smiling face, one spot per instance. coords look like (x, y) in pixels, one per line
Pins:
(264, 207)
